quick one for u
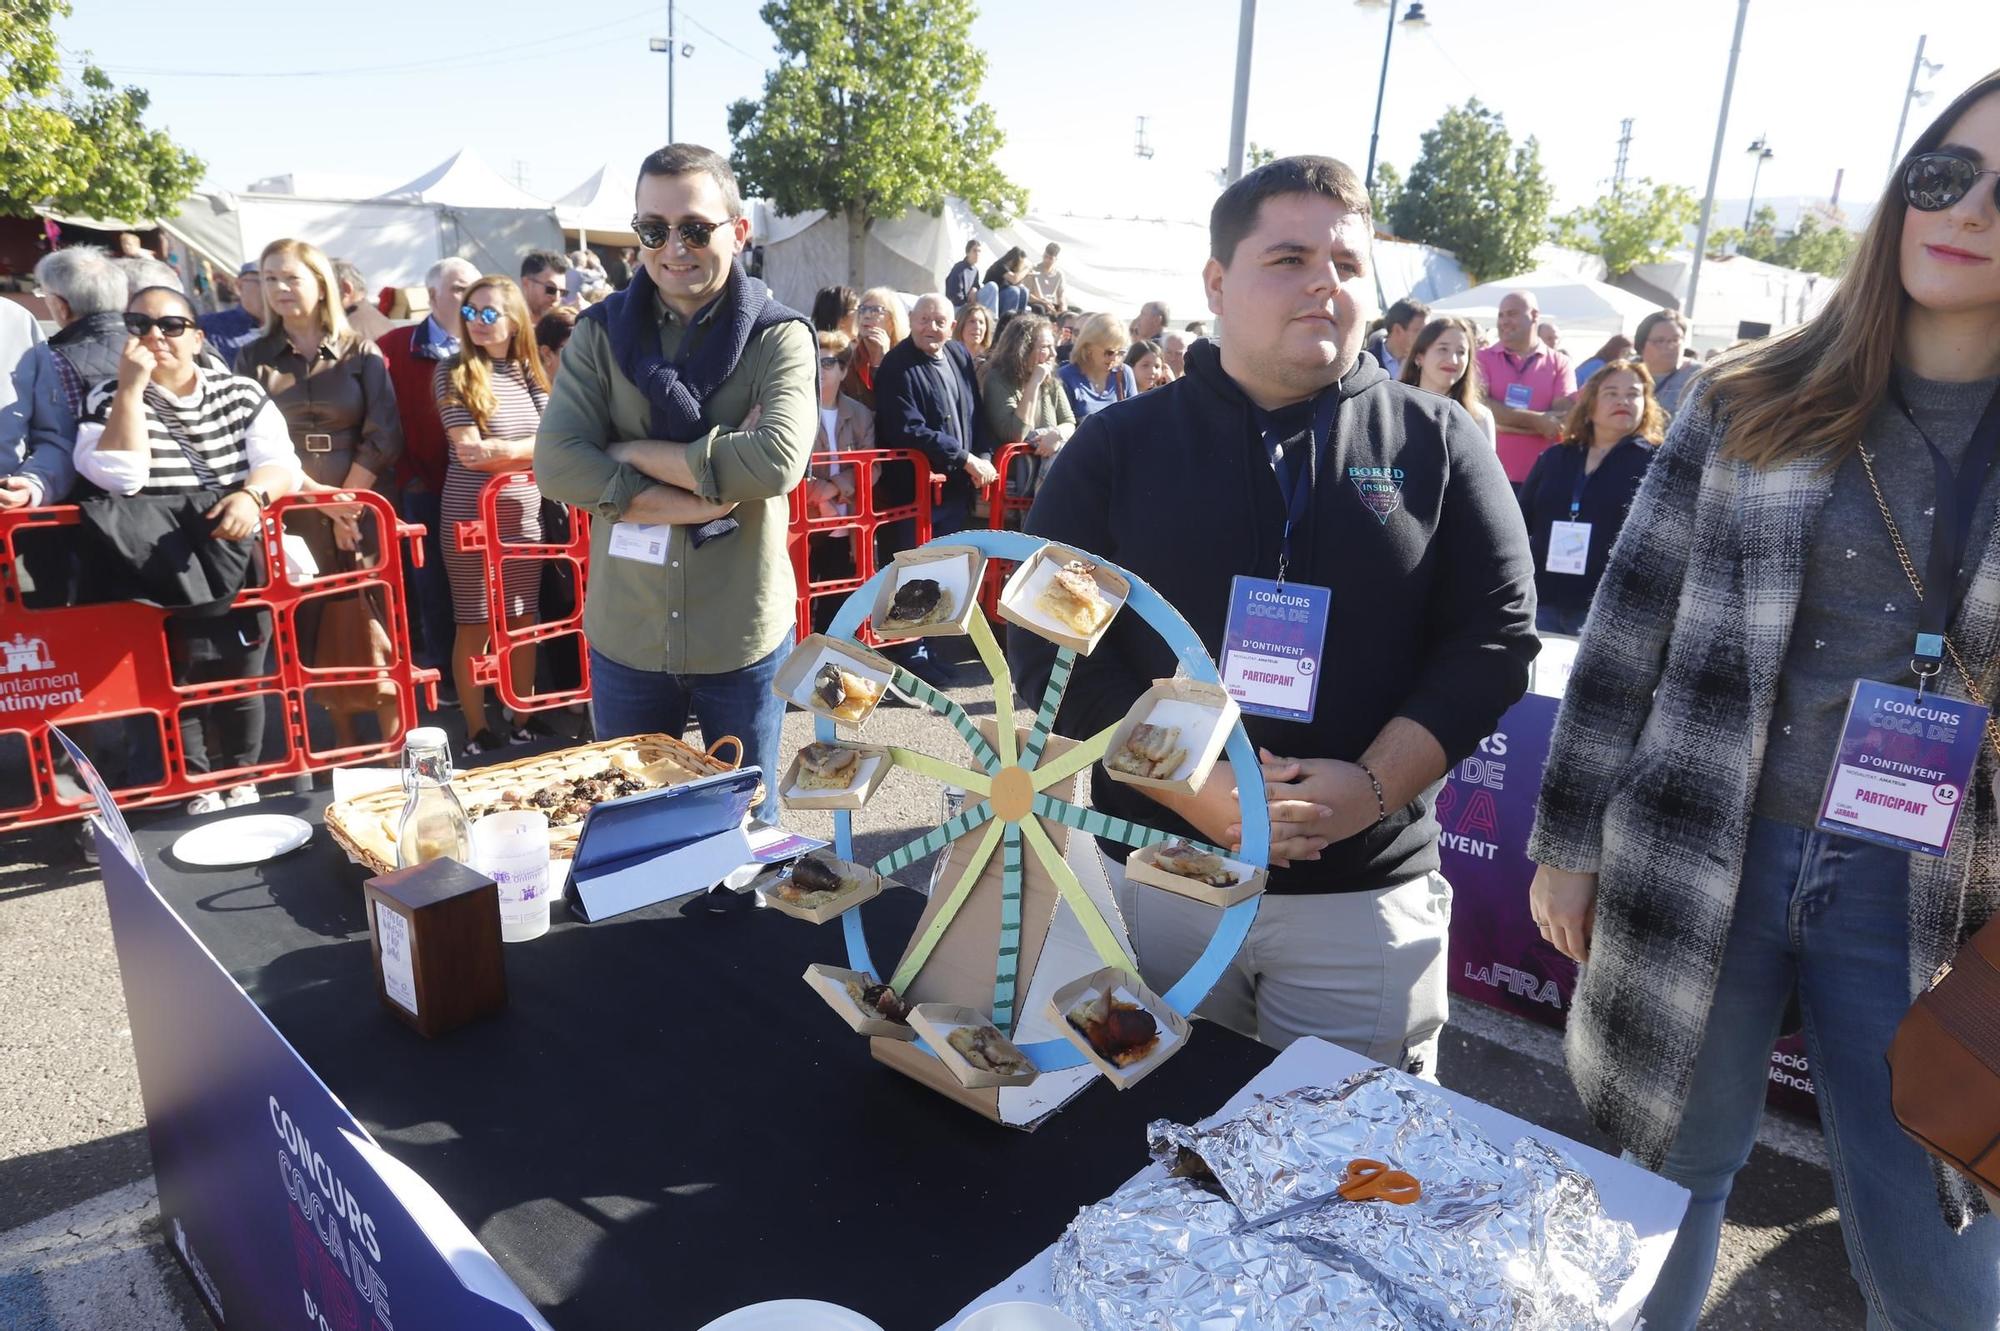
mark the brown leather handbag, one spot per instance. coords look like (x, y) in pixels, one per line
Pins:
(1944, 1064)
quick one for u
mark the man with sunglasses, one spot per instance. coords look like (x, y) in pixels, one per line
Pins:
(543, 277)
(683, 417)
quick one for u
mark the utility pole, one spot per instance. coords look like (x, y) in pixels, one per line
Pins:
(1246, 28)
(1624, 154)
(1715, 162)
(673, 54)
(1918, 68)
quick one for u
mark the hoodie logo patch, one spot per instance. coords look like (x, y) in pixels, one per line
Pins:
(1381, 488)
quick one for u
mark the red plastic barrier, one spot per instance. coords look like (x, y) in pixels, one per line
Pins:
(72, 664)
(1006, 511)
(487, 669)
(858, 527)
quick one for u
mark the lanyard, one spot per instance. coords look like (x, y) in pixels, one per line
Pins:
(1582, 479)
(1298, 478)
(1951, 526)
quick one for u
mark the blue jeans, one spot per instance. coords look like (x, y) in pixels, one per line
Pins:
(624, 701)
(425, 590)
(1826, 914)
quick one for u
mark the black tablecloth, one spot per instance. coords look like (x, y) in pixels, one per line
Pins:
(666, 1123)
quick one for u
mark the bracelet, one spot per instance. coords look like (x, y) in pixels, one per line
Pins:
(1381, 803)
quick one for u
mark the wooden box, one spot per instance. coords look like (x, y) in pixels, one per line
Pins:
(1018, 597)
(956, 569)
(1173, 1027)
(434, 934)
(1141, 867)
(871, 770)
(1206, 715)
(794, 682)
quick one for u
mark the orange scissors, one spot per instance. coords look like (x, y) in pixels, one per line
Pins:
(1371, 1181)
(1367, 1180)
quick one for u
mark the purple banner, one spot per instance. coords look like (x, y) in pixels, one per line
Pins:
(1486, 809)
(279, 1204)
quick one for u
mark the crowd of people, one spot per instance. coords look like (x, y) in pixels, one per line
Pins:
(1736, 544)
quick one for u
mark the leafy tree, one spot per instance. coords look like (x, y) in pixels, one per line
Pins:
(1474, 192)
(873, 110)
(1255, 156)
(1821, 244)
(1759, 242)
(1388, 189)
(1636, 225)
(84, 150)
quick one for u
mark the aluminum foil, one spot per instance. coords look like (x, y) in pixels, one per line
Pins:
(1507, 1237)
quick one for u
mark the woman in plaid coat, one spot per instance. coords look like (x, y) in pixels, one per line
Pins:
(1755, 581)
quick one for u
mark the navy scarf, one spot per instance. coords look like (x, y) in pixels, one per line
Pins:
(679, 389)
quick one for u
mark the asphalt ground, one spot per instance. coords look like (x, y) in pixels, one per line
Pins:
(80, 1243)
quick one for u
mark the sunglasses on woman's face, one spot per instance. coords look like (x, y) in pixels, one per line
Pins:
(652, 232)
(1933, 182)
(170, 325)
(488, 316)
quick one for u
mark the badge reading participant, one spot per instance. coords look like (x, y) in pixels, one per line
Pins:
(1272, 647)
(643, 541)
(1903, 767)
(1569, 547)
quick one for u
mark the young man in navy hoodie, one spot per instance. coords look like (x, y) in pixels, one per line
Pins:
(1286, 457)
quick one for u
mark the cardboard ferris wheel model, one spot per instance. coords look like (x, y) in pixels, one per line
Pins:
(1019, 985)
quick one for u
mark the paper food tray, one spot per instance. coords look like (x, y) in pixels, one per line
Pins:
(830, 983)
(1206, 715)
(795, 678)
(955, 568)
(868, 887)
(871, 770)
(1024, 586)
(936, 1021)
(1173, 1026)
(1141, 868)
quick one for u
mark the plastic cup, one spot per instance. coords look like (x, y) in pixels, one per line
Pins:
(512, 849)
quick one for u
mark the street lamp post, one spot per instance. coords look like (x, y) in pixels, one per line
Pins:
(674, 50)
(1413, 19)
(1761, 150)
(1714, 163)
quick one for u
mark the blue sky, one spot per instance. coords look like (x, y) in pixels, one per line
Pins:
(385, 90)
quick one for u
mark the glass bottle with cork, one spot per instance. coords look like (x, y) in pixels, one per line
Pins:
(434, 825)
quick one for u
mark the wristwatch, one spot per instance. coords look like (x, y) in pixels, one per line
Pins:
(262, 500)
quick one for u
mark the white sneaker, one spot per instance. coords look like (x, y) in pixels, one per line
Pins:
(209, 801)
(237, 796)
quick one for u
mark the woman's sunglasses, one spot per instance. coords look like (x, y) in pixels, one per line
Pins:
(1933, 182)
(652, 232)
(170, 325)
(489, 316)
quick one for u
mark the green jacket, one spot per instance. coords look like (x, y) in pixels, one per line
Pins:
(732, 602)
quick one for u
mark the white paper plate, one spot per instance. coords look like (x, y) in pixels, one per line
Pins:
(1017, 1317)
(245, 839)
(792, 1315)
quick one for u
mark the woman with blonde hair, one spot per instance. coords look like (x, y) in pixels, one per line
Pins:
(1577, 494)
(490, 398)
(1095, 375)
(880, 322)
(1817, 530)
(1441, 362)
(333, 388)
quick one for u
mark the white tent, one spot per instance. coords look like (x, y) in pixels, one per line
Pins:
(1734, 291)
(1577, 304)
(460, 207)
(599, 209)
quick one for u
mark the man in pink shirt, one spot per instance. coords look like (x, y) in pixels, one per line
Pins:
(1528, 386)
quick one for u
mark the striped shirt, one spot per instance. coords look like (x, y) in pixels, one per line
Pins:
(227, 420)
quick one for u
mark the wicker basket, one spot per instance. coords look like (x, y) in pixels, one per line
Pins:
(365, 827)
